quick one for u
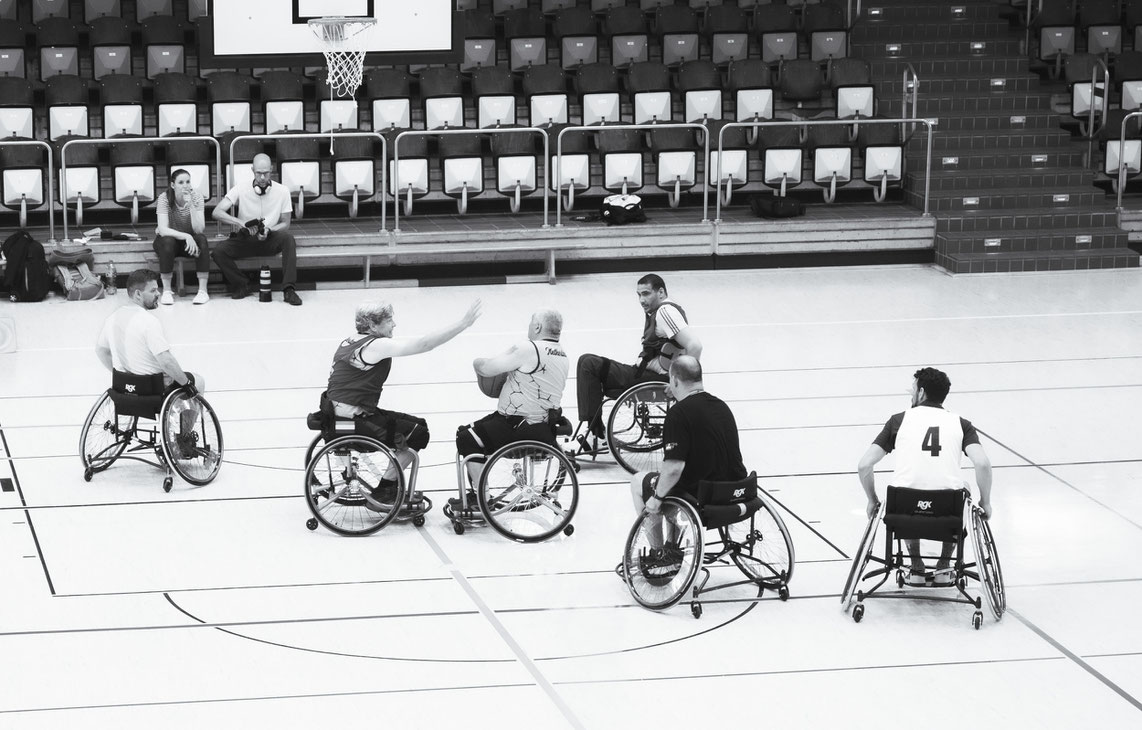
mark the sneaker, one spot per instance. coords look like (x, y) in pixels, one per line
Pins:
(660, 565)
(458, 506)
(916, 578)
(290, 296)
(382, 497)
(943, 578)
(167, 297)
(187, 444)
(201, 297)
(240, 292)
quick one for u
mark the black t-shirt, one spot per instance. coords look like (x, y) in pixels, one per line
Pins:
(700, 430)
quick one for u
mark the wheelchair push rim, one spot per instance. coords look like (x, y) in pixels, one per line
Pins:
(634, 427)
(105, 436)
(987, 564)
(528, 491)
(765, 550)
(339, 480)
(661, 584)
(860, 560)
(191, 437)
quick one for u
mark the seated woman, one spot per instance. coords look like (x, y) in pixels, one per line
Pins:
(181, 231)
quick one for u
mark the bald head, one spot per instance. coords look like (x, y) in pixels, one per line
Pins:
(547, 324)
(687, 370)
(262, 163)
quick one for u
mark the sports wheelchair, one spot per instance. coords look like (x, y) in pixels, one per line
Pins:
(664, 554)
(183, 437)
(919, 514)
(634, 428)
(344, 464)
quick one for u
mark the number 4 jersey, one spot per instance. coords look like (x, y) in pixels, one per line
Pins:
(928, 442)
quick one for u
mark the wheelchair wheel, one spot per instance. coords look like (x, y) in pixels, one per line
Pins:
(528, 491)
(634, 428)
(663, 554)
(765, 549)
(987, 563)
(191, 437)
(339, 484)
(313, 447)
(860, 561)
(105, 436)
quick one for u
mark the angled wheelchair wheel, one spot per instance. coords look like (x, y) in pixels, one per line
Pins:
(343, 485)
(191, 437)
(765, 549)
(317, 440)
(634, 428)
(528, 491)
(105, 436)
(987, 563)
(663, 554)
(860, 561)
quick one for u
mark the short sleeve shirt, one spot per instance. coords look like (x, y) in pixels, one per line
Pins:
(269, 207)
(178, 217)
(668, 322)
(135, 338)
(929, 442)
(701, 431)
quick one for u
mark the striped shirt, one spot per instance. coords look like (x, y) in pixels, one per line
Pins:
(178, 217)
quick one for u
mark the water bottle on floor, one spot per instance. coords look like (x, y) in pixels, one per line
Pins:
(111, 276)
(264, 293)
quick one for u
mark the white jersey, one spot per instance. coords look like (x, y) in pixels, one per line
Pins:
(928, 444)
(532, 391)
(135, 337)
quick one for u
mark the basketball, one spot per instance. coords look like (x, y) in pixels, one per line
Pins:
(491, 386)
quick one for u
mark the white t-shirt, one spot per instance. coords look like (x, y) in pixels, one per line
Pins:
(269, 207)
(928, 442)
(135, 338)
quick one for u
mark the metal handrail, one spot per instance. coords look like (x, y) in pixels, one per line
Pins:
(640, 127)
(465, 131)
(850, 18)
(319, 135)
(1122, 157)
(910, 72)
(51, 182)
(929, 123)
(129, 140)
(1103, 108)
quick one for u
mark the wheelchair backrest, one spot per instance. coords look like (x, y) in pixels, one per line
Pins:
(724, 503)
(140, 396)
(925, 514)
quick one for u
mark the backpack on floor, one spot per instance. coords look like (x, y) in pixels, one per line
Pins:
(26, 274)
(622, 209)
(72, 272)
(774, 206)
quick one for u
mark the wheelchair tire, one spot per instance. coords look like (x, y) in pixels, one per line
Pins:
(313, 447)
(658, 582)
(528, 491)
(634, 427)
(196, 456)
(987, 564)
(765, 553)
(860, 561)
(339, 481)
(105, 436)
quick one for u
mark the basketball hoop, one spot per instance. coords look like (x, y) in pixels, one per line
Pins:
(343, 41)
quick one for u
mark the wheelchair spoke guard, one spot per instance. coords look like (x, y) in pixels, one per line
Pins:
(191, 437)
(634, 427)
(987, 564)
(663, 554)
(528, 491)
(343, 485)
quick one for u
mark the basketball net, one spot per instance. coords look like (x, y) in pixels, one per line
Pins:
(343, 42)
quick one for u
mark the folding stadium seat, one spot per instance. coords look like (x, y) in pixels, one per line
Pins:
(238, 166)
(333, 113)
(67, 100)
(58, 41)
(1119, 151)
(195, 9)
(16, 107)
(677, 29)
(832, 154)
(733, 160)
(551, 7)
(44, 9)
(150, 8)
(196, 156)
(461, 167)
(163, 44)
(229, 95)
(93, 9)
(1101, 23)
(355, 171)
(777, 33)
(573, 171)
(500, 7)
(727, 27)
(283, 96)
(824, 27)
(602, 6)
(463, 6)
(853, 92)
(626, 27)
(701, 86)
(801, 81)
(621, 152)
(133, 174)
(649, 86)
(1132, 13)
(598, 87)
(577, 31)
(110, 39)
(441, 91)
(409, 179)
(13, 40)
(524, 32)
(389, 92)
(883, 156)
(9, 10)
(493, 91)
(479, 40)
(1056, 24)
(647, 6)
(1078, 71)
(122, 100)
(782, 158)
(675, 161)
(516, 165)
(176, 108)
(23, 178)
(82, 176)
(545, 88)
(1128, 78)
(300, 167)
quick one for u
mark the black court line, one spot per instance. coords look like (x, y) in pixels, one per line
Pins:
(808, 526)
(1077, 660)
(27, 512)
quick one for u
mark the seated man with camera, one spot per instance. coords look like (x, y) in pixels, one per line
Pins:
(264, 210)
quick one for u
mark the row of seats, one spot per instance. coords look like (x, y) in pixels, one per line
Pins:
(1100, 23)
(39, 10)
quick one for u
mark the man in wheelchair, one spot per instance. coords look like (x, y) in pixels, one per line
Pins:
(531, 389)
(360, 368)
(666, 334)
(928, 442)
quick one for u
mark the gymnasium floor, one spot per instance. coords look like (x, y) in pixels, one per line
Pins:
(126, 607)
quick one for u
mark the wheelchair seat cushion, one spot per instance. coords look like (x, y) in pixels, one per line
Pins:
(925, 514)
(137, 395)
(724, 503)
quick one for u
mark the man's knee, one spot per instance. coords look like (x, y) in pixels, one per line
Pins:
(285, 241)
(468, 441)
(415, 432)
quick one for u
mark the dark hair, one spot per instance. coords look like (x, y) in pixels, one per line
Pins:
(138, 280)
(654, 281)
(686, 369)
(170, 191)
(934, 383)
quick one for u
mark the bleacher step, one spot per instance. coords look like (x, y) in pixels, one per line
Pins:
(918, 50)
(1002, 198)
(1011, 221)
(1027, 261)
(1032, 159)
(1039, 179)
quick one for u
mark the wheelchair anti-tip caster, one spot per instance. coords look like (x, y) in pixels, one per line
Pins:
(311, 523)
(899, 579)
(87, 474)
(568, 530)
(418, 521)
(858, 612)
(696, 610)
(783, 593)
(167, 484)
(458, 528)
(977, 620)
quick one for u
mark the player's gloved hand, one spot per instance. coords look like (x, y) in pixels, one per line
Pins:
(189, 387)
